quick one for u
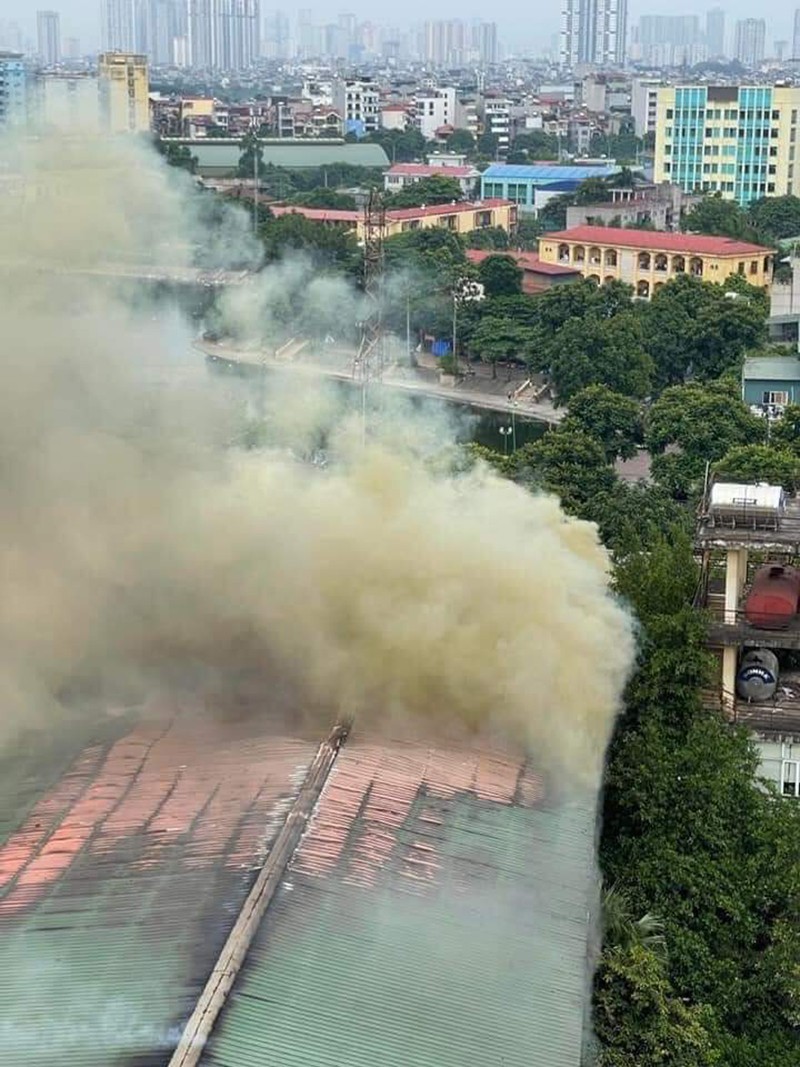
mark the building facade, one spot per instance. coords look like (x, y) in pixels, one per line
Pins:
(750, 41)
(66, 101)
(531, 186)
(715, 33)
(461, 218)
(124, 92)
(738, 141)
(593, 32)
(357, 101)
(13, 80)
(648, 260)
(48, 38)
(223, 35)
(644, 105)
(119, 25)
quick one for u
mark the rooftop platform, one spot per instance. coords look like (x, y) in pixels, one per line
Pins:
(784, 539)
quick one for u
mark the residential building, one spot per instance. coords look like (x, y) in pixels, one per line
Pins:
(462, 217)
(537, 276)
(13, 81)
(433, 109)
(124, 89)
(48, 38)
(644, 105)
(486, 44)
(167, 30)
(738, 141)
(496, 114)
(796, 35)
(593, 32)
(400, 175)
(646, 260)
(749, 45)
(770, 382)
(658, 206)
(531, 186)
(715, 33)
(395, 116)
(606, 92)
(223, 36)
(67, 101)
(357, 101)
(670, 40)
(119, 25)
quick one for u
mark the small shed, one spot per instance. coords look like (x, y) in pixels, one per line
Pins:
(772, 381)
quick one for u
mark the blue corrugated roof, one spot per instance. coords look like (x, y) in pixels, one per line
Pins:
(543, 173)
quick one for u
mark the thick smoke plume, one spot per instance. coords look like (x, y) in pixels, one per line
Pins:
(140, 550)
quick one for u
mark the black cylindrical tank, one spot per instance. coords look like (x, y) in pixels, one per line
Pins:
(757, 677)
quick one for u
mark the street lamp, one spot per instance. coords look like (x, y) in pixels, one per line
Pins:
(505, 432)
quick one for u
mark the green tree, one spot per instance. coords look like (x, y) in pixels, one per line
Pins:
(325, 245)
(632, 519)
(489, 238)
(698, 423)
(500, 276)
(713, 215)
(527, 234)
(776, 217)
(592, 191)
(488, 145)
(251, 151)
(325, 198)
(461, 141)
(568, 463)
(760, 463)
(600, 351)
(785, 432)
(553, 216)
(438, 189)
(497, 339)
(401, 146)
(611, 418)
(177, 155)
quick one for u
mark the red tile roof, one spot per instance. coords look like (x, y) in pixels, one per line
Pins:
(529, 261)
(321, 214)
(425, 170)
(316, 214)
(657, 241)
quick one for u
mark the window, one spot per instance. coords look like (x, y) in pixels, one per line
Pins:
(777, 396)
(754, 266)
(790, 777)
(670, 112)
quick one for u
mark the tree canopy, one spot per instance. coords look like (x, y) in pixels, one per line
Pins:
(500, 276)
(437, 189)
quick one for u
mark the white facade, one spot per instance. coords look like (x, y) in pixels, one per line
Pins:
(48, 37)
(750, 44)
(119, 26)
(497, 120)
(357, 101)
(644, 105)
(779, 762)
(434, 109)
(223, 34)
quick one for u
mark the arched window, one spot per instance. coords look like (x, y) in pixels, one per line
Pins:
(660, 262)
(643, 289)
(578, 254)
(563, 253)
(643, 261)
(609, 278)
(696, 266)
(678, 265)
(595, 258)
(594, 278)
(611, 257)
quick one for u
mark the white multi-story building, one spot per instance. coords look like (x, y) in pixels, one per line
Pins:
(433, 109)
(66, 101)
(497, 120)
(48, 37)
(593, 32)
(750, 43)
(119, 25)
(644, 105)
(358, 103)
(223, 35)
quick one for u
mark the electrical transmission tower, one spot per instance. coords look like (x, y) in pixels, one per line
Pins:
(368, 363)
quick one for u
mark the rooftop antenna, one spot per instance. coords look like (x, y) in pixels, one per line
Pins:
(369, 361)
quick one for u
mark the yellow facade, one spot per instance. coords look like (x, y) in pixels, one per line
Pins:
(125, 92)
(739, 142)
(458, 218)
(648, 268)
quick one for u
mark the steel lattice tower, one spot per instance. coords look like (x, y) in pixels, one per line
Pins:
(368, 363)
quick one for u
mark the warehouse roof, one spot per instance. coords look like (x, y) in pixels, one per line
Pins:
(651, 240)
(544, 173)
(218, 154)
(785, 368)
(426, 170)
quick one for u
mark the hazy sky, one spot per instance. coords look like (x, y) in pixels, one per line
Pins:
(81, 18)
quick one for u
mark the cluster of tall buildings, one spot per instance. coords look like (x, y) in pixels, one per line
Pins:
(593, 32)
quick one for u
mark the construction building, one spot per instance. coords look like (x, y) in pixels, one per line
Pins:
(647, 260)
(124, 92)
(737, 141)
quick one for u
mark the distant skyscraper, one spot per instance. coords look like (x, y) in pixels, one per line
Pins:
(224, 35)
(48, 36)
(276, 36)
(165, 30)
(593, 32)
(751, 35)
(119, 25)
(796, 36)
(486, 33)
(669, 40)
(715, 32)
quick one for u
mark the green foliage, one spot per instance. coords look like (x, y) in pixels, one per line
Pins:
(500, 276)
(570, 464)
(596, 350)
(437, 189)
(777, 217)
(461, 141)
(325, 245)
(177, 155)
(401, 146)
(785, 433)
(692, 326)
(632, 519)
(640, 1021)
(611, 418)
(534, 145)
(768, 220)
(495, 339)
(760, 463)
(553, 216)
(489, 238)
(713, 215)
(528, 232)
(325, 198)
(703, 422)
(251, 157)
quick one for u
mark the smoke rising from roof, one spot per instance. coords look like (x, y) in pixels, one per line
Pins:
(139, 550)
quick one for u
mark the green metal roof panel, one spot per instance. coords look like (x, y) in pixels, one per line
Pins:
(224, 156)
(123, 864)
(435, 915)
(785, 368)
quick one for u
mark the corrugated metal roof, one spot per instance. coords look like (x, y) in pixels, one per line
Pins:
(785, 368)
(435, 915)
(547, 172)
(225, 156)
(121, 878)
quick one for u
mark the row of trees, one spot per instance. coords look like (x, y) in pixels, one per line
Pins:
(771, 219)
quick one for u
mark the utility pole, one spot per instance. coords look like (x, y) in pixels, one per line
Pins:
(255, 184)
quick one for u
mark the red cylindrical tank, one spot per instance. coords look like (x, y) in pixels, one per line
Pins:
(773, 598)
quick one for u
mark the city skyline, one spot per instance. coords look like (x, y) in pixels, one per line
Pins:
(81, 20)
